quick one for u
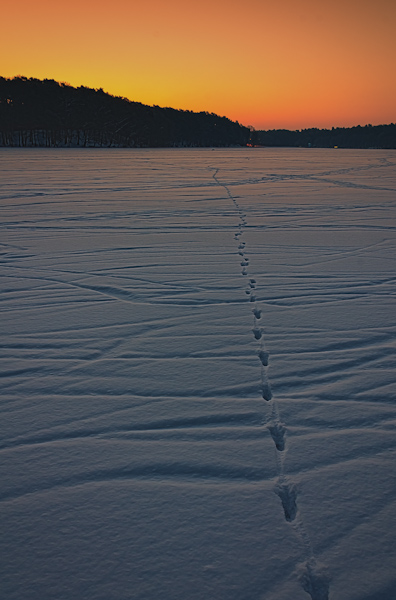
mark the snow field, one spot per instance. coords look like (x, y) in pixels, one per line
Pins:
(198, 380)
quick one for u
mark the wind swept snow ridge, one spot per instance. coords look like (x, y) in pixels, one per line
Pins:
(312, 577)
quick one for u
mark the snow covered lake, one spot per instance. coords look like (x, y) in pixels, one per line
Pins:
(198, 374)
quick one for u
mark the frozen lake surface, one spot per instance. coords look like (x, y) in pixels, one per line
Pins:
(198, 374)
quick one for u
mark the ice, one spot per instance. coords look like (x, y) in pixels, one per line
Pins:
(198, 374)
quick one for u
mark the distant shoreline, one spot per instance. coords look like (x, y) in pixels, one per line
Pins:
(177, 148)
(49, 114)
(382, 137)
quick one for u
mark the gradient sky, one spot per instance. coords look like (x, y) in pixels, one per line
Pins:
(279, 64)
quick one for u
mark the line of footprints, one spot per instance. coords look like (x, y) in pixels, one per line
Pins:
(277, 430)
(313, 580)
(313, 577)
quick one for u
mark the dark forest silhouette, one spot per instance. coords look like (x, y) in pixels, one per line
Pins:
(47, 113)
(369, 136)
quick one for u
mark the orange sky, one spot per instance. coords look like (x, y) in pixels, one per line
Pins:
(284, 63)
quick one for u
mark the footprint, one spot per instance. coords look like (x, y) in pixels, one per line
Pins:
(288, 495)
(257, 313)
(252, 298)
(278, 433)
(266, 393)
(257, 333)
(244, 272)
(244, 263)
(247, 292)
(315, 581)
(263, 356)
(241, 246)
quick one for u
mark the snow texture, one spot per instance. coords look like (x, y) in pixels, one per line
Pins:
(198, 374)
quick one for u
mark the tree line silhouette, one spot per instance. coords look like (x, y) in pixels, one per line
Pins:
(48, 113)
(369, 136)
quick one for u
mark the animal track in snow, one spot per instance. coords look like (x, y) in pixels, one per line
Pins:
(266, 393)
(264, 357)
(288, 495)
(278, 433)
(315, 580)
(312, 578)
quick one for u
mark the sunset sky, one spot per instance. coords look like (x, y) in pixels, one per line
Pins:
(280, 64)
